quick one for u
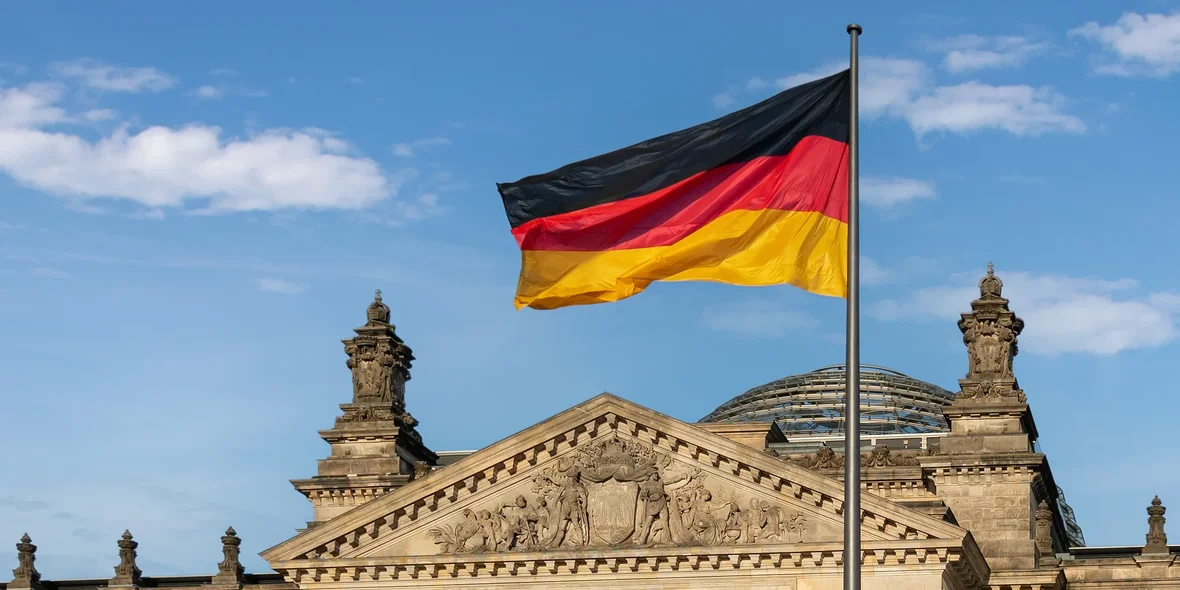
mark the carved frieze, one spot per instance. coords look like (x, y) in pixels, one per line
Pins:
(617, 493)
(880, 456)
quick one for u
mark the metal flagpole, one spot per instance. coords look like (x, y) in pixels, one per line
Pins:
(852, 553)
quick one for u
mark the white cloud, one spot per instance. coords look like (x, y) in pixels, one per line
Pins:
(355, 80)
(1062, 314)
(161, 167)
(269, 285)
(871, 273)
(888, 192)
(723, 100)
(407, 150)
(209, 92)
(974, 106)
(96, 75)
(98, 115)
(1137, 44)
(904, 89)
(760, 319)
(967, 53)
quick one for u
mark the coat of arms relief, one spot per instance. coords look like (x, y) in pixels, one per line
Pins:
(619, 493)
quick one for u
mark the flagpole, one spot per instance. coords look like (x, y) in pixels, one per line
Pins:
(852, 553)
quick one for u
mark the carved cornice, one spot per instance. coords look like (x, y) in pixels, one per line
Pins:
(964, 560)
(368, 527)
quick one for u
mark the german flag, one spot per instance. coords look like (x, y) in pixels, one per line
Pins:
(757, 197)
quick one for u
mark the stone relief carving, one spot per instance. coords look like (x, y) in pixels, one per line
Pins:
(880, 456)
(618, 493)
(883, 456)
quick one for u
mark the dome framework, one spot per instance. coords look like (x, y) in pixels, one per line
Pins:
(813, 403)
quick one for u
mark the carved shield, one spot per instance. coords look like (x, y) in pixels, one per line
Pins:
(611, 507)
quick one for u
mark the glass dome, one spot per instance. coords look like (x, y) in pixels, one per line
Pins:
(813, 403)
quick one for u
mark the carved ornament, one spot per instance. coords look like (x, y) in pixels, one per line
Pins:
(25, 574)
(127, 572)
(618, 493)
(1157, 540)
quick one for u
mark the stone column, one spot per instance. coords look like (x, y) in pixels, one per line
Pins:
(1157, 540)
(25, 576)
(127, 574)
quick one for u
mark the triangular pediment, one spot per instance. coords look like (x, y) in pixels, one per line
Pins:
(606, 475)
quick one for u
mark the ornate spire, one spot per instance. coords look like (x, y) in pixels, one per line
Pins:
(380, 363)
(990, 332)
(230, 569)
(1157, 540)
(25, 575)
(126, 573)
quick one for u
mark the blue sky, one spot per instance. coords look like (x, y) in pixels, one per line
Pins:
(198, 204)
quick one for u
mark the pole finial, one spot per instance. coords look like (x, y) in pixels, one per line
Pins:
(855, 28)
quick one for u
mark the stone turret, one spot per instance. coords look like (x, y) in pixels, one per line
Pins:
(374, 443)
(988, 471)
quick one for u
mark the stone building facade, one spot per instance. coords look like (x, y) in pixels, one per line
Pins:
(610, 494)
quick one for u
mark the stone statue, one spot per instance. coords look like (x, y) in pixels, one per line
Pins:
(655, 507)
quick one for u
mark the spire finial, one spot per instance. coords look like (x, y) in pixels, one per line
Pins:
(230, 569)
(990, 286)
(378, 312)
(127, 573)
(1157, 540)
(25, 575)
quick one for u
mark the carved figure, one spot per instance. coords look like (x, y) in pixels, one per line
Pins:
(824, 458)
(655, 507)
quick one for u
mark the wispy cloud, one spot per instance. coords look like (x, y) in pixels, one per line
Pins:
(904, 89)
(283, 287)
(355, 80)
(969, 53)
(1063, 314)
(409, 149)
(218, 91)
(1136, 44)
(893, 191)
(49, 273)
(759, 319)
(96, 75)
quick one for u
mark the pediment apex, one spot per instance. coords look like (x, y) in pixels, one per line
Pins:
(507, 465)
